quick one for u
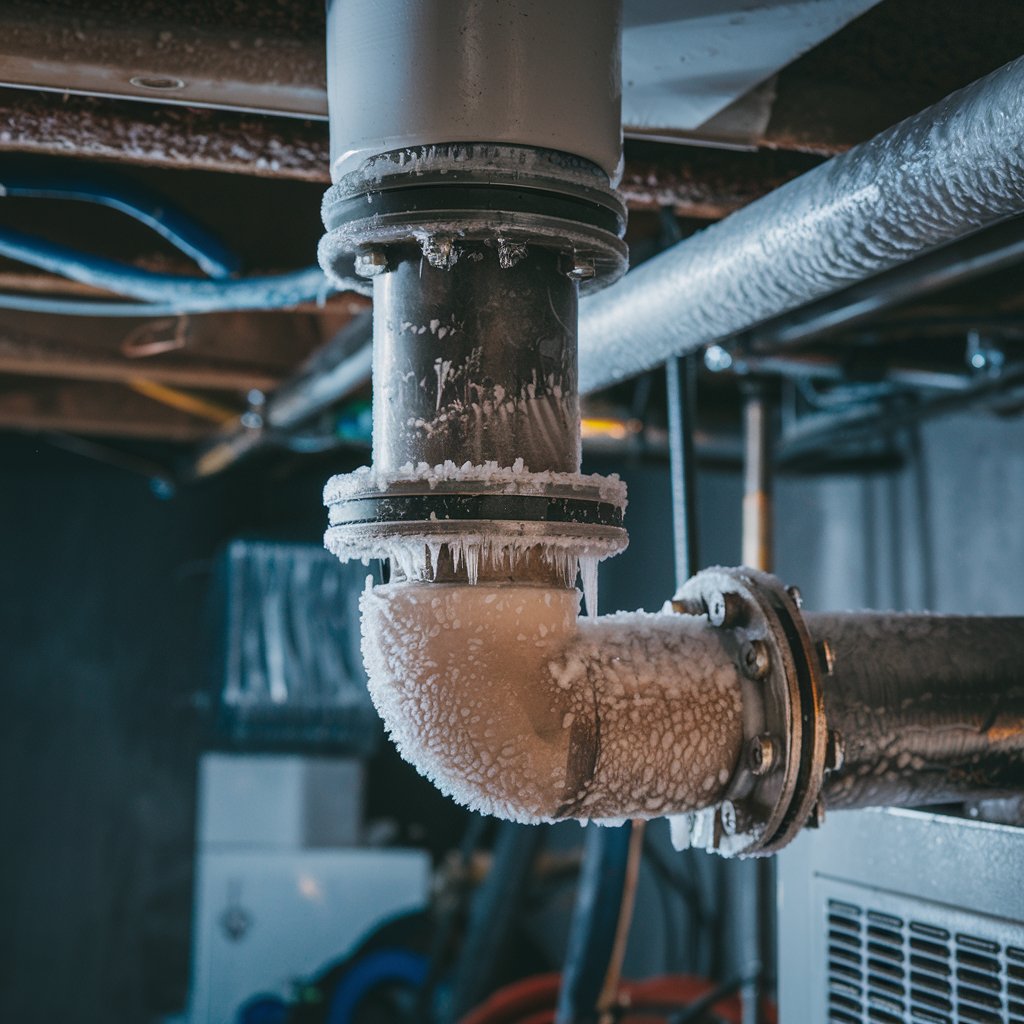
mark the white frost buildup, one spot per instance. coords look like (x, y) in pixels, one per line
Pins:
(513, 707)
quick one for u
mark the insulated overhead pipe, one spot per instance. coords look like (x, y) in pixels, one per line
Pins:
(933, 179)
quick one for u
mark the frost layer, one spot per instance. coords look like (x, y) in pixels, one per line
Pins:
(514, 707)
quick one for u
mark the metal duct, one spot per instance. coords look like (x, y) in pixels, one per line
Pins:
(932, 179)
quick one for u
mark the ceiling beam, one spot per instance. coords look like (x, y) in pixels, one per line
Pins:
(98, 410)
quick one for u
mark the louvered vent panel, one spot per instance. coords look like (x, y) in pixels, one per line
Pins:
(886, 969)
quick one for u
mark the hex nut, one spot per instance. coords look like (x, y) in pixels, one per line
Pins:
(795, 595)
(757, 660)
(725, 610)
(761, 754)
(371, 263)
(827, 656)
(835, 751)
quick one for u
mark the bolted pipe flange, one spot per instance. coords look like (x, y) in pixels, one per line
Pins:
(775, 788)
(512, 199)
(469, 523)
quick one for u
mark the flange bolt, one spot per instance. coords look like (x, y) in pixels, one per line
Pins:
(761, 754)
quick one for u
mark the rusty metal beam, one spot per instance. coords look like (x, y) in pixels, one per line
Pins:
(258, 58)
(704, 184)
(163, 136)
(695, 182)
(898, 58)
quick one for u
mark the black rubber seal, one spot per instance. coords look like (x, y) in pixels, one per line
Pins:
(444, 199)
(455, 507)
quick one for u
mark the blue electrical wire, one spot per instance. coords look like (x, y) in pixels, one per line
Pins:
(146, 206)
(179, 293)
(159, 294)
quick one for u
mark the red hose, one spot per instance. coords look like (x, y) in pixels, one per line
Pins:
(533, 1001)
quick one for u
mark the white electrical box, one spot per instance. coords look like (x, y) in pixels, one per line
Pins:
(277, 896)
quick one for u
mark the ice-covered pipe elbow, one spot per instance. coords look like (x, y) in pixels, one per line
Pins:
(515, 707)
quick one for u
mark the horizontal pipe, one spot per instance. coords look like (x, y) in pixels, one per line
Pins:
(932, 179)
(338, 369)
(930, 708)
(331, 374)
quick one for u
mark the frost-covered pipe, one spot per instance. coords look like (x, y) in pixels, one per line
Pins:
(513, 706)
(934, 178)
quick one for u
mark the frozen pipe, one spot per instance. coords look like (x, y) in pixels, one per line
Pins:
(932, 179)
(513, 706)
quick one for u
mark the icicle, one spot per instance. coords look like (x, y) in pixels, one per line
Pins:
(472, 557)
(588, 573)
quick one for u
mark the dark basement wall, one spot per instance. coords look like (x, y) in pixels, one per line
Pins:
(103, 667)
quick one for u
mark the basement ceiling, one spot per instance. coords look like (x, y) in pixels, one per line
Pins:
(683, 62)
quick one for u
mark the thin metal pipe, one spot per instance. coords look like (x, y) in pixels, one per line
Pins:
(681, 382)
(757, 481)
(983, 252)
(331, 375)
(34, 181)
(750, 881)
(933, 179)
(338, 369)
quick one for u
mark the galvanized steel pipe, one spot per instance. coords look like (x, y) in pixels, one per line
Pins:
(929, 708)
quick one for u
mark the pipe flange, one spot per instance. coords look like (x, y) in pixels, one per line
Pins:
(776, 785)
(476, 522)
(448, 198)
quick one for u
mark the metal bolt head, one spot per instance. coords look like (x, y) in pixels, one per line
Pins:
(817, 818)
(717, 359)
(582, 269)
(440, 251)
(725, 610)
(795, 595)
(371, 263)
(757, 660)
(827, 656)
(685, 606)
(727, 817)
(761, 754)
(835, 751)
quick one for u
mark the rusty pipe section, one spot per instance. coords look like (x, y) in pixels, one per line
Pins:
(928, 709)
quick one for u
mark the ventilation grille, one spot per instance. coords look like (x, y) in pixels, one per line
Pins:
(887, 970)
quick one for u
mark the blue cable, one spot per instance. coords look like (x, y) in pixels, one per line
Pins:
(144, 205)
(180, 293)
(394, 966)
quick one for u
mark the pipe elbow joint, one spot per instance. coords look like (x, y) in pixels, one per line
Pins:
(514, 707)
